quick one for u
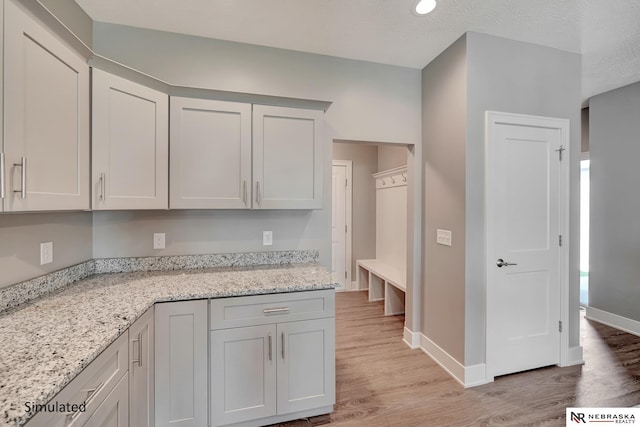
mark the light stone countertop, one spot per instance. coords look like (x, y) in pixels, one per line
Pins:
(45, 343)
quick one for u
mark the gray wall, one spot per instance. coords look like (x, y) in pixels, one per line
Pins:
(516, 77)
(371, 102)
(130, 233)
(73, 17)
(444, 106)
(614, 267)
(365, 164)
(21, 235)
(390, 156)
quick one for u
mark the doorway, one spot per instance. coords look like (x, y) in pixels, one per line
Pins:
(527, 257)
(341, 229)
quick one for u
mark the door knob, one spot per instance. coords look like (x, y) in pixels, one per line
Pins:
(503, 263)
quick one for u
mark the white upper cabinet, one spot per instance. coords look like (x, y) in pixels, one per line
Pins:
(46, 119)
(210, 154)
(287, 158)
(130, 145)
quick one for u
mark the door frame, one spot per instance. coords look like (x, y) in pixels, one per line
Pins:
(491, 119)
(348, 164)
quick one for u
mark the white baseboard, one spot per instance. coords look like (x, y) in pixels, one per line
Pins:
(442, 358)
(412, 339)
(573, 357)
(467, 376)
(624, 324)
(475, 375)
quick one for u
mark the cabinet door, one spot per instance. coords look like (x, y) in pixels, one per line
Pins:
(46, 119)
(210, 154)
(141, 371)
(114, 410)
(243, 374)
(306, 365)
(130, 155)
(287, 158)
(181, 364)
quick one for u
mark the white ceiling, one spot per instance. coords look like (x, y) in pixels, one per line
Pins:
(606, 32)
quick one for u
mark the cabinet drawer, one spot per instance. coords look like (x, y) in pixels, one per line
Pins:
(263, 309)
(91, 386)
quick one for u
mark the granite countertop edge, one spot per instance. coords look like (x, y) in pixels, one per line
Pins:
(81, 302)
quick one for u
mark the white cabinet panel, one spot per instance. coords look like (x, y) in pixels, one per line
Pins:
(46, 119)
(114, 410)
(130, 145)
(181, 364)
(142, 371)
(287, 158)
(306, 365)
(243, 374)
(210, 154)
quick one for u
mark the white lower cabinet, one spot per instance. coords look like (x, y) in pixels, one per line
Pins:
(114, 409)
(141, 371)
(280, 370)
(90, 389)
(181, 364)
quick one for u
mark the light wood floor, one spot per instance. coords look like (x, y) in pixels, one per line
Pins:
(381, 382)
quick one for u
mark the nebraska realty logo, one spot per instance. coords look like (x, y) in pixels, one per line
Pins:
(602, 416)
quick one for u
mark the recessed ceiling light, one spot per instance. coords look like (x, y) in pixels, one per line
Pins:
(422, 7)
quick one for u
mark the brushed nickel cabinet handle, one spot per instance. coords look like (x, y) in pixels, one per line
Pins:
(283, 345)
(258, 192)
(270, 348)
(139, 359)
(102, 186)
(244, 192)
(23, 177)
(275, 310)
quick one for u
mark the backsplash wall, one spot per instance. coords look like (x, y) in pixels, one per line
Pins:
(21, 235)
(190, 232)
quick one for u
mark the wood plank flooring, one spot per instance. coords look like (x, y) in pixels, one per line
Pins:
(381, 382)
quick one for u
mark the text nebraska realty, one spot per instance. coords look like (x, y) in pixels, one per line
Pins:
(579, 417)
(33, 407)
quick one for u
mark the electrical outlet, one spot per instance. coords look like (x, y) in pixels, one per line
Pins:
(46, 253)
(443, 237)
(158, 240)
(267, 238)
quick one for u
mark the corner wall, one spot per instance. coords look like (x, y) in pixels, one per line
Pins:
(516, 77)
(444, 124)
(614, 150)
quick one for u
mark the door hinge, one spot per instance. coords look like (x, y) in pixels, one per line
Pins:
(560, 326)
(345, 228)
(560, 240)
(560, 150)
(346, 182)
(345, 274)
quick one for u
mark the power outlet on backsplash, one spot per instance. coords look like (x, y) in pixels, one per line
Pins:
(46, 253)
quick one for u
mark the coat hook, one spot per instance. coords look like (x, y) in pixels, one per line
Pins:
(393, 181)
(383, 183)
(404, 178)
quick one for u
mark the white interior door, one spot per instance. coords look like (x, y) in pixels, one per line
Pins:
(524, 212)
(339, 226)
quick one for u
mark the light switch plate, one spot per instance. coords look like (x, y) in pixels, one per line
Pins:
(158, 240)
(443, 237)
(267, 238)
(46, 253)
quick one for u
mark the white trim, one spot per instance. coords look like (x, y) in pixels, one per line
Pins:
(614, 320)
(476, 375)
(348, 164)
(412, 339)
(442, 358)
(492, 117)
(574, 357)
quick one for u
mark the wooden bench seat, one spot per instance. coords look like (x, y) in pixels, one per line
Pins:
(384, 282)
